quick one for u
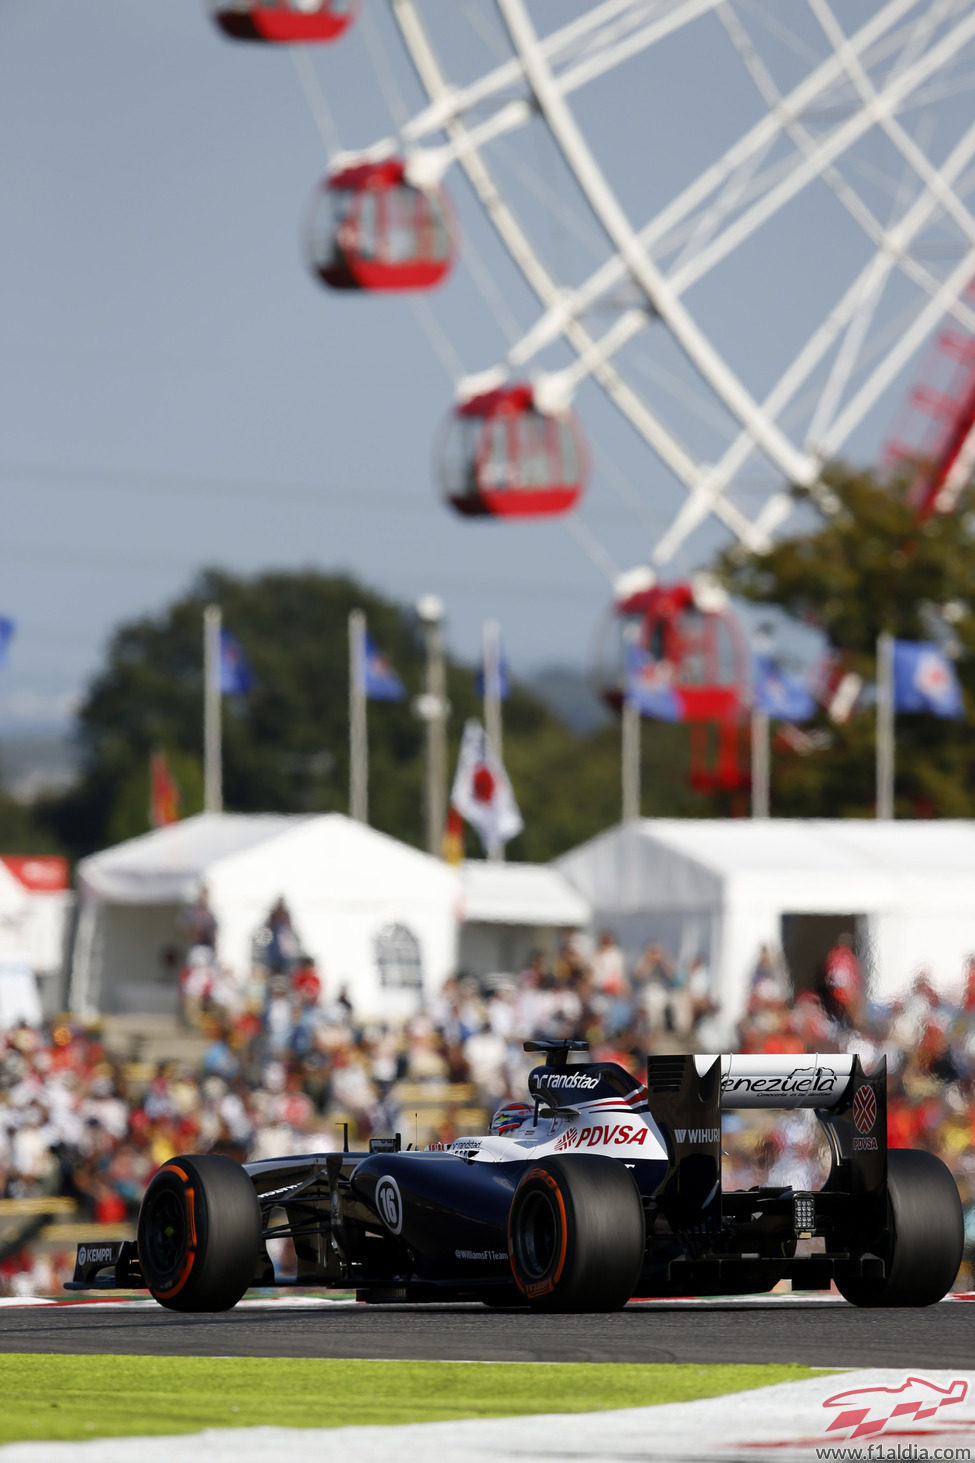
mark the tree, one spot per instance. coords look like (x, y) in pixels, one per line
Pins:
(25, 827)
(285, 744)
(870, 566)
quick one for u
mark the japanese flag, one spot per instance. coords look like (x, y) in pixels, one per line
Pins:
(482, 793)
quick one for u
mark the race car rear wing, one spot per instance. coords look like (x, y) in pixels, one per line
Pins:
(687, 1095)
(808, 1080)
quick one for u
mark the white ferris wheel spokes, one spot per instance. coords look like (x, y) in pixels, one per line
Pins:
(858, 132)
(740, 220)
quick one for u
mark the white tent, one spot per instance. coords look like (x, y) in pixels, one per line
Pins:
(34, 905)
(511, 910)
(905, 890)
(378, 917)
(35, 910)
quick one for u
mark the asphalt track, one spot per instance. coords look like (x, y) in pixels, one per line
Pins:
(824, 1333)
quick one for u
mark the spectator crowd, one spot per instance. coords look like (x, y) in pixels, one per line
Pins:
(287, 1064)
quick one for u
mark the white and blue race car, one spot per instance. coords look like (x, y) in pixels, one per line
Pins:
(598, 1189)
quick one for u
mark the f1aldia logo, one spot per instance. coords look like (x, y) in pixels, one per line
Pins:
(868, 1410)
(389, 1203)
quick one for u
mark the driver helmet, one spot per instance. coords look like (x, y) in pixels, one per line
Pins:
(510, 1117)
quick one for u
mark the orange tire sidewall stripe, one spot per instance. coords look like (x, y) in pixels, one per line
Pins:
(545, 1287)
(563, 1247)
(189, 1196)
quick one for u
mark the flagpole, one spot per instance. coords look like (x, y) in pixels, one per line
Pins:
(630, 755)
(630, 745)
(885, 725)
(491, 667)
(358, 737)
(491, 672)
(212, 712)
(429, 611)
(760, 764)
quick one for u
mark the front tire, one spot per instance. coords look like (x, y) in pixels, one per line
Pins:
(576, 1234)
(925, 1236)
(199, 1233)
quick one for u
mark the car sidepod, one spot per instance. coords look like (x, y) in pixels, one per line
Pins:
(449, 1213)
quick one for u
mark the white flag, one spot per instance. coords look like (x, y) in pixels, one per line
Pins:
(482, 793)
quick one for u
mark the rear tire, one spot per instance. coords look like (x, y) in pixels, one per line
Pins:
(922, 1247)
(576, 1234)
(200, 1234)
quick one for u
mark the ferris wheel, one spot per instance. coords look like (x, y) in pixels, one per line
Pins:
(736, 222)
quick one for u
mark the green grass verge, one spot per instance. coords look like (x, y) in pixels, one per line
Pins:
(72, 1397)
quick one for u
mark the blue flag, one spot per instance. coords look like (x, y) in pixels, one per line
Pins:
(778, 694)
(925, 679)
(7, 628)
(379, 680)
(648, 685)
(236, 676)
(492, 678)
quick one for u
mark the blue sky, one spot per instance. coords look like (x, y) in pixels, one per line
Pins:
(179, 392)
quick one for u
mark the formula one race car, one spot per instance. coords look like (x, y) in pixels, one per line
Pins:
(599, 1190)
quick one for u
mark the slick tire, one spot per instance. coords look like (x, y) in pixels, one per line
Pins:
(199, 1234)
(922, 1248)
(576, 1234)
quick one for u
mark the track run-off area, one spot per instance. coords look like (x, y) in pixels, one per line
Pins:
(891, 1379)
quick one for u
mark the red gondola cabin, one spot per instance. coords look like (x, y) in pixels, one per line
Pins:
(504, 458)
(706, 647)
(705, 653)
(369, 228)
(284, 22)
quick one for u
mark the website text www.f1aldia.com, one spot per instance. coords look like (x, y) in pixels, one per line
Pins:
(891, 1453)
